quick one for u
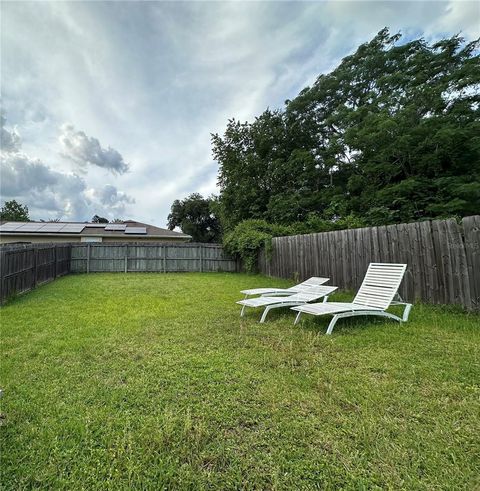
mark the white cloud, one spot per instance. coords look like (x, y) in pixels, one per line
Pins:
(44, 190)
(51, 193)
(111, 199)
(109, 195)
(84, 151)
(10, 140)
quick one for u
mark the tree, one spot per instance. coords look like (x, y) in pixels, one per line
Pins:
(195, 215)
(389, 136)
(399, 122)
(98, 219)
(250, 157)
(14, 212)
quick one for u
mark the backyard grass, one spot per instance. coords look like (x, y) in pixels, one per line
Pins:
(151, 381)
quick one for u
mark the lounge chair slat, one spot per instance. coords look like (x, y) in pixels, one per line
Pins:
(368, 293)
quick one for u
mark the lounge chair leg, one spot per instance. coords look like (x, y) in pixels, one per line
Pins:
(242, 312)
(297, 319)
(325, 298)
(406, 312)
(332, 324)
(265, 312)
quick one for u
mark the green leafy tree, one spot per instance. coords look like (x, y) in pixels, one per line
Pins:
(14, 212)
(99, 219)
(196, 216)
(389, 136)
(250, 157)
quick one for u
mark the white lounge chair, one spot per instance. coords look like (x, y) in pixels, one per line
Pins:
(376, 294)
(304, 285)
(300, 298)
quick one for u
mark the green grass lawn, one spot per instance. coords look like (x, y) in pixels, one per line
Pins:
(151, 381)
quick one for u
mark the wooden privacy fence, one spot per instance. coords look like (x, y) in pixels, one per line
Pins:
(443, 258)
(23, 267)
(143, 257)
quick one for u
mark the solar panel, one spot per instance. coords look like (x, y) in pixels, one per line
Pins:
(136, 230)
(63, 225)
(72, 228)
(10, 226)
(51, 227)
(30, 227)
(116, 226)
(96, 225)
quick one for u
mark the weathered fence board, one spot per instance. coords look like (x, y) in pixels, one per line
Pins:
(142, 257)
(471, 229)
(443, 258)
(23, 267)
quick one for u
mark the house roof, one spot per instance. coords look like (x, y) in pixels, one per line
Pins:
(74, 229)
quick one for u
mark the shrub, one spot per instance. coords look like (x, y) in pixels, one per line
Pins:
(249, 236)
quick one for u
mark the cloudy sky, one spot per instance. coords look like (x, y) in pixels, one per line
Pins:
(107, 107)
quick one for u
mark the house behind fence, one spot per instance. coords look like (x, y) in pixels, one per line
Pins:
(443, 258)
(69, 232)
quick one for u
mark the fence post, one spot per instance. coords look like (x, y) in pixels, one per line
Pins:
(35, 266)
(201, 259)
(54, 261)
(126, 258)
(3, 286)
(88, 258)
(164, 259)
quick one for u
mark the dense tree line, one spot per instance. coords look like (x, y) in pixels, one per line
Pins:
(391, 135)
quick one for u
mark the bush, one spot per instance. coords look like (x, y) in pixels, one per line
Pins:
(249, 236)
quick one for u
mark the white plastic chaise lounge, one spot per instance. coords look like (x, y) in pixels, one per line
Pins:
(304, 285)
(313, 293)
(374, 297)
